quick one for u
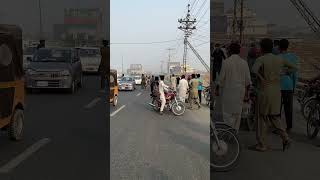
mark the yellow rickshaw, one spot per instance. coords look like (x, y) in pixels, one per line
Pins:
(114, 91)
(11, 81)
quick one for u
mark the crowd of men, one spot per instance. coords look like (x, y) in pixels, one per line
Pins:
(189, 89)
(268, 67)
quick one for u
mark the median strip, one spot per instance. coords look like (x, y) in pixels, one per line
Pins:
(23, 156)
(93, 103)
(118, 110)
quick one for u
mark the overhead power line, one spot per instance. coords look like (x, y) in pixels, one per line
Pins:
(154, 42)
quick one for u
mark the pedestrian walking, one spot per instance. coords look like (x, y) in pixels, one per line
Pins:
(162, 88)
(173, 82)
(267, 68)
(183, 88)
(193, 91)
(103, 64)
(288, 81)
(152, 83)
(235, 81)
(200, 87)
(143, 81)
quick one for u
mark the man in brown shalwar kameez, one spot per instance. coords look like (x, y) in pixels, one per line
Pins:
(268, 68)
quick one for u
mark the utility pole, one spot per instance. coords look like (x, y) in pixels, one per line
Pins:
(234, 25)
(122, 66)
(162, 66)
(169, 60)
(40, 19)
(187, 26)
(241, 22)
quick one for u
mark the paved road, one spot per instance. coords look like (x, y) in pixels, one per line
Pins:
(69, 133)
(300, 162)
(146, 145)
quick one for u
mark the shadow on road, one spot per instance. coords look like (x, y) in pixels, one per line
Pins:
(192, 144)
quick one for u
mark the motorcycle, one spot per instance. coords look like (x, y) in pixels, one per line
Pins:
(225, 148)
(172, 103)
(307, 98)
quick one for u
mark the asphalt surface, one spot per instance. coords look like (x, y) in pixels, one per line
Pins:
(301, 161)
(65, 137)
(148, 146)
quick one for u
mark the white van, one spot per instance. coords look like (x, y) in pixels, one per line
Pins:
(90, 58)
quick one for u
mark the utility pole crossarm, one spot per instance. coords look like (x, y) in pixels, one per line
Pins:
(199, 57)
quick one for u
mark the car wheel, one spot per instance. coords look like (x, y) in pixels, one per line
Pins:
(115, 101)
(15, 130)
(72, 89)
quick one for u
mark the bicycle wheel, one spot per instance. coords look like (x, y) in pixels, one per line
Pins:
(313, 123)
(226, 156)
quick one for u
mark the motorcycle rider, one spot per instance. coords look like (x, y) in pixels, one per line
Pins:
(162, 88)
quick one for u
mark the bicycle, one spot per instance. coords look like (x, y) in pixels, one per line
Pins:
(313, 122)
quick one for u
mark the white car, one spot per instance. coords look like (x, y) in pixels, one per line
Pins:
(90, 59)
(138, 80)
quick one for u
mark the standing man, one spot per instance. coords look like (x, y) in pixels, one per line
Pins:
(42, 44)
(103, 69)
(276, 50)
(193, 95)
(268, 68)
(288, 81)
(151, 83)
(218, 56)
(235, 81)
(162, 88)
(173, 82)
(183, 88)
(143, 81)
(200, 88)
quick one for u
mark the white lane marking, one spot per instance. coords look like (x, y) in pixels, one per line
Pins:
(93, 103)
(24, 155)
(138, 94)
(118, 110)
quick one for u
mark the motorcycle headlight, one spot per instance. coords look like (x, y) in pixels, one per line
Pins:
(65, 73)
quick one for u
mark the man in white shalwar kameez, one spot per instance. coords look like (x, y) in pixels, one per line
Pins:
(183, 88)
(234, 80)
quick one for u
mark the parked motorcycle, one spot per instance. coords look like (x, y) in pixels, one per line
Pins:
(173, 103)
(307, 98)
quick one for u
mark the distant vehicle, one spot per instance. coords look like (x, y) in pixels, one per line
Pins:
(138, 80)
(55, 68)
(27, 55)
(90, 59)
(127, 83)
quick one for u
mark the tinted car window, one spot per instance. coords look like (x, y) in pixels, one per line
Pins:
(52, 55)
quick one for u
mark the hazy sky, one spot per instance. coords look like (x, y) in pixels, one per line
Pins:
(26, 12)
(153, 21)
(281, 12)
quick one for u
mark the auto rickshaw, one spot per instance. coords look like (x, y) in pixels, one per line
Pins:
(114, 91)
(11, 81)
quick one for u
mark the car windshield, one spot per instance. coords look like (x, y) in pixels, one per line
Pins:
(127, 79)
(89, 52)
(29, 50)
(52, 55)
(137, 77)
